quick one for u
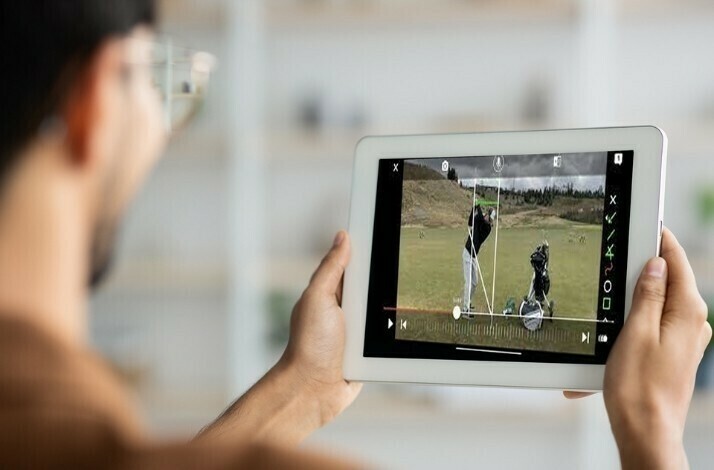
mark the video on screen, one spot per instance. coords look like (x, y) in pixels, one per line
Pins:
(502, 251)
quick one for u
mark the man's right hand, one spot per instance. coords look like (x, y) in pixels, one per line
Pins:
(649, 378)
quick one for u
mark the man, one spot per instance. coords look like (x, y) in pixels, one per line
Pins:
(82, 125)
(478, 228)
(81, 128)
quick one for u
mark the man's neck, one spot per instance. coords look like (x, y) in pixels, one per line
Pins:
(44, 237)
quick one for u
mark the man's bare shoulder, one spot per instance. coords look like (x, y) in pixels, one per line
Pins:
(61, 406)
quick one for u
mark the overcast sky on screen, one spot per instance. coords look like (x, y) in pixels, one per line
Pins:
(585, 171)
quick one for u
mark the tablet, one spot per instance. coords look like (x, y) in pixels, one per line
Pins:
(498, 259)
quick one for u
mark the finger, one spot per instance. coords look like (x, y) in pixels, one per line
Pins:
(680, 271)
(329, 274)
(648, 300)
(684, 304)
(575, 395)
(675, 256)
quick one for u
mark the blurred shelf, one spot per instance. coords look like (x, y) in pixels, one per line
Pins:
(290, 274)
(177, 15)
(204, 145)
(311, 15)
(664, 9)
(317, 15)
(426, 402)
(135, 276)
(283, 147)
(330, 15)
(337, 145)
(323, 146)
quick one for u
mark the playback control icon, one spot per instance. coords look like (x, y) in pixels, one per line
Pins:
(585, 338)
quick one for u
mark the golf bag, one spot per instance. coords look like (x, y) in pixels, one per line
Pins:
(541, 279)
(531, 309)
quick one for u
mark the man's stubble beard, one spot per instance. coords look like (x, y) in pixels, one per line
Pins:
(102, 251)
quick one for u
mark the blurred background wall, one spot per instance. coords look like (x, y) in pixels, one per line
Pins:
(225, 235)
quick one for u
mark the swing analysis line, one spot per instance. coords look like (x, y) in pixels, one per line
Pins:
(470, 230)
(495, 247)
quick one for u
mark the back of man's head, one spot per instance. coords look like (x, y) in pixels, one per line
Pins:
(46, 44)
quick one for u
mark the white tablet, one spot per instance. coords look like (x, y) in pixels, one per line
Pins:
(498, 259)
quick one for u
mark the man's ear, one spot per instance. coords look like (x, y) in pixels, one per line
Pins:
(86, 107)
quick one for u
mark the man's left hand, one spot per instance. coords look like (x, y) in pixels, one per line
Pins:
(317, 335)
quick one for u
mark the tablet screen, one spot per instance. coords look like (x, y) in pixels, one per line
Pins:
(500, 257)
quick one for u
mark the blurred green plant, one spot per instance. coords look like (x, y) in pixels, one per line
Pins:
(706, 205)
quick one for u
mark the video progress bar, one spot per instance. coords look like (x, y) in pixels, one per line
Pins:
(512, 353)
(486, 314)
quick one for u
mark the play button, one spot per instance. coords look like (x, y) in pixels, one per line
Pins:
(390, 323)
(585, 338)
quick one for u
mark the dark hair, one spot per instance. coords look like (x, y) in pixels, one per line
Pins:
(45, 45)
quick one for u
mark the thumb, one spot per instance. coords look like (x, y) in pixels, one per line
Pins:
(328, 276)
(649, 298)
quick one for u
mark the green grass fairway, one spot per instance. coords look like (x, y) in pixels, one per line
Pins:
(431, 278)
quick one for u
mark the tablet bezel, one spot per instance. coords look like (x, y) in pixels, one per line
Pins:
(649, 169)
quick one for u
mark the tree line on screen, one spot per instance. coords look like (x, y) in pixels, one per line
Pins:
(546, 195)
(542, 196)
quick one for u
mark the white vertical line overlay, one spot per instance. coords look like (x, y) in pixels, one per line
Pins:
(495, 246)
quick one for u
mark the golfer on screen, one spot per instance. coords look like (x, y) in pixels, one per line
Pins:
(479, 228)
